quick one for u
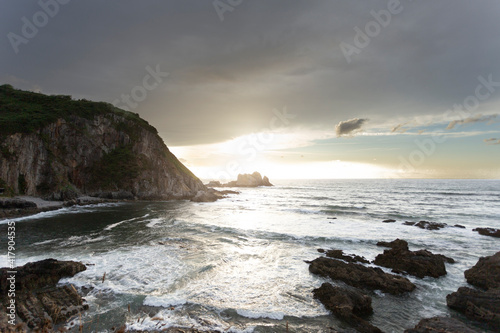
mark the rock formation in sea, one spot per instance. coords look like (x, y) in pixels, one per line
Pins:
(488, 232)
(244, 180)
(59, 148)
(482, 304)
(39, 303)
(418, 263)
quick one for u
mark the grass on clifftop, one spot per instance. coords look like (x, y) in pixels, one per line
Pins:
(25, 111)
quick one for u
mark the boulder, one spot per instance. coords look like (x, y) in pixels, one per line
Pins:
(418, 263)
(348, 305)
(361, 276)
(488, 232)
(482, 306)
(15, 203)
(441, 325)
(389, 221)
(40, 303)
(486, 273)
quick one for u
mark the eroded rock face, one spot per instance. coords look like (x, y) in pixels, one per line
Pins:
(418, 263)
(348, 305)
(441, 325)
(361, 276)
(482, 306)
(479, 305)
(106, 154)
(486, 273)
(40, 304)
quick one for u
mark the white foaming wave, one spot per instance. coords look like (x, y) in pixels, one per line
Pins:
(154, 222)
(256, 314)
(47, 241)
(164, 301)
(111, 226)
(78, 240)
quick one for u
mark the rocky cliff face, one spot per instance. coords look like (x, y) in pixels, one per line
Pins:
(97, 155)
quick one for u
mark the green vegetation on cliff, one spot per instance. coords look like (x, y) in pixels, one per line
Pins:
(25, 111)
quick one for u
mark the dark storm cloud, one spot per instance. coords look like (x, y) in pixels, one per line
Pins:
(349, 127)
(226, 77)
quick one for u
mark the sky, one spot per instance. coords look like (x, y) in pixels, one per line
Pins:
(292, 89)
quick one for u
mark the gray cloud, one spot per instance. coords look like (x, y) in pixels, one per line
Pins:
(492, 141)
(349, 127)
(471, 120)
(399, 128)
(227, 77)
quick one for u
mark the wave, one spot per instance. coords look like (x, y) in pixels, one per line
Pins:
(111, 226)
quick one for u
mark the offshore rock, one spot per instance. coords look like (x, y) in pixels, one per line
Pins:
(339, 254)
(360, 276)
(249, 180)
(40, 304)
(348, 305)
(488, 232)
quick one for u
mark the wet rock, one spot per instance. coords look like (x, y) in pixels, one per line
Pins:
(389, 221)
(459, 226)
(486, 273)
(488, 232)
(339, 254)
(348, 305)
(430, 225)
(409, 223)
(441, 325)
(482, 306)
(418, 263)
(361, 276)
(39, 302)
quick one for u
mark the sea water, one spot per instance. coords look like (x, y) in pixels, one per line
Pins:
(238, 264)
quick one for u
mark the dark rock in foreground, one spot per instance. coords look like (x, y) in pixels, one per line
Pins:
(339, 254)
(441, 325)
(418, 263)
(348, 305)
(486, 273)
(40, 304)
(361, 276)
(488, 232)
(482, 306)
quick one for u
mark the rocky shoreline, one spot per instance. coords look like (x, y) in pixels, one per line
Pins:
(349, 301)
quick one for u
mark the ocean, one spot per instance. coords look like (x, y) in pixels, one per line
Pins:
(238, 264)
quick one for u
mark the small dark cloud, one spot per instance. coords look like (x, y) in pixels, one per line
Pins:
(474, 119)
(399, 128)
(348, 127)
(492, 141)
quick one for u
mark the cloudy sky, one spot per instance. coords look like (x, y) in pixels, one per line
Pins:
(294, 89)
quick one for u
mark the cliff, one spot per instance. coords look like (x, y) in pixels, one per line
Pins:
(57, 147)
